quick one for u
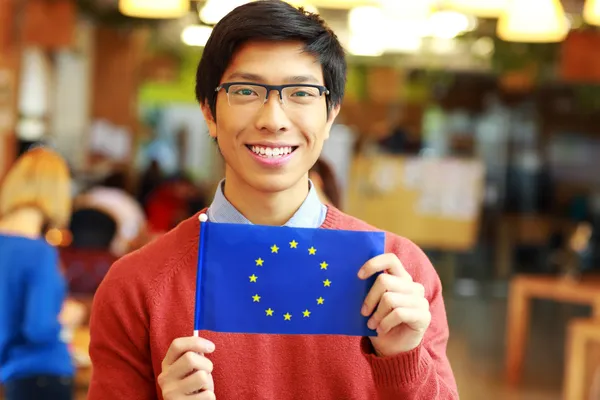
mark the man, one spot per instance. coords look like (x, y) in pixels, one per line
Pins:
(270, 137)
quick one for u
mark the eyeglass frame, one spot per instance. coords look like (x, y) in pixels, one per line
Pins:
(270, 88)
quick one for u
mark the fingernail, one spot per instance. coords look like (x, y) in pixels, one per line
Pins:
(361, 274)
(371, 324)
(210, 347)
(363, 310)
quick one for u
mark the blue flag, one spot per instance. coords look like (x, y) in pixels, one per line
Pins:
(282, 280)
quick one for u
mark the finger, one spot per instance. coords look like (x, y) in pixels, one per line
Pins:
(416, 318)
(389, 302)
(388, 262)
(182, 345)
(384, 283)
(188, 363)
(204, 395)
(199, 380)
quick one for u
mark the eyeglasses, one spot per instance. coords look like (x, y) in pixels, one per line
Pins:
(246, 94)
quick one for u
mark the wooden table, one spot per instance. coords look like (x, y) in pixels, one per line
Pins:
(582, 372)
(523, 288)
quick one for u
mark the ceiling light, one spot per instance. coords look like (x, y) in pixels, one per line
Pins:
(479, 8)
(214, 10)
(533, 21)
(196, 35)
(591, 12)
(154, 8)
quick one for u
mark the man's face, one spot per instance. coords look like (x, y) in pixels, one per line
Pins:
(270, 147)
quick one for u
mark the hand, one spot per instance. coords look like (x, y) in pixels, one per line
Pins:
(401, 314)
(72, 314)
(186, 373)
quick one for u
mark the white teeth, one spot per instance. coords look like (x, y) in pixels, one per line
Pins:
(271, 152)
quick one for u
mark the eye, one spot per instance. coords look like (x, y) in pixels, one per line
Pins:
(245, 92)
(302, 93)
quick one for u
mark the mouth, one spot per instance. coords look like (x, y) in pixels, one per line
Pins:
(271, 152)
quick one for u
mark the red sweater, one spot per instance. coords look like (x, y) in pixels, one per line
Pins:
(147, 300)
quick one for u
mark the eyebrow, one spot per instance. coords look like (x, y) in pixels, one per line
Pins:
(247, 76)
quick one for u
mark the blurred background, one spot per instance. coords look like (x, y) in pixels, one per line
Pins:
(472, 127)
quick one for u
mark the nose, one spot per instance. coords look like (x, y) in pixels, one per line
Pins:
(271, 117)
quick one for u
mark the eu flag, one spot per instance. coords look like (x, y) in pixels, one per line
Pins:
(283, 280)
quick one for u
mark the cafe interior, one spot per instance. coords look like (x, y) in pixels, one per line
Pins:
(471, 127)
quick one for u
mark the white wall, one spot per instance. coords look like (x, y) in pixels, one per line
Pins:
(71, 96)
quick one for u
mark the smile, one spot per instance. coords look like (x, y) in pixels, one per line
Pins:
(271, 152)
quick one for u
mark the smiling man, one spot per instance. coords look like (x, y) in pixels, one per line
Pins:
(270, 85)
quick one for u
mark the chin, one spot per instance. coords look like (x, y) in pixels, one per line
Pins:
(273, 184)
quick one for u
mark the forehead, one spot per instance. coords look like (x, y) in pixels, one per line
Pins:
(274, 63)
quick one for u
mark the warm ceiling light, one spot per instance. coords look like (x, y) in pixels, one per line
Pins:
(365, 44)
(448, 24)
(407, 9)
(214, 10)
(342, 4)
(591, 12)
(479, 8)
(365, 18)
(533, 21)
(154, 8)
(196, 35)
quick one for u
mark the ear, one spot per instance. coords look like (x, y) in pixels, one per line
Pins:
(210, 120)
(333, 113)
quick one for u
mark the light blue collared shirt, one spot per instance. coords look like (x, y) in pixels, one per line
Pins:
(311, 213)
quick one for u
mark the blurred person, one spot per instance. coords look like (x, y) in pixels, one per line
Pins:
(322, 176)
(149, 181)
(35, 362)
(270, 136)
(172, 202)
(111, 198)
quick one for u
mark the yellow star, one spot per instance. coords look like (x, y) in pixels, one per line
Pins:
(256, 298)
(324, 265)
(274, 249)
(287, 316)
(293, 244)
(253, 278)
(327, 283)
(259, 262)
(320, 300)
(306, 313)
(312, 251)
(269, 312)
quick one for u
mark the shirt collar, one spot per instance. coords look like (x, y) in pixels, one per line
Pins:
(311, 213)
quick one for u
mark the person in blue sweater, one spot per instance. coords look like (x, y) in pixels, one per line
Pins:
(35, 362)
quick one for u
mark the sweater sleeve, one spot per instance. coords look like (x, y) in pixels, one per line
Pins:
(423, 373)
(43, 302)
(119, 341)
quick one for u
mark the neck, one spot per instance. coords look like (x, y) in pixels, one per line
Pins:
(265, 208)
(24, 222)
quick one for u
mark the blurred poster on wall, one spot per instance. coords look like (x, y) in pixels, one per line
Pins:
(446, 187)
(110, 141)
(433, 201)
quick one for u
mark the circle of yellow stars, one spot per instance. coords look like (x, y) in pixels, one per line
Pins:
(269, 312)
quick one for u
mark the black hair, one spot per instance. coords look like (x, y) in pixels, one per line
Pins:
(330, 185)
(116, 180)
(271, 20)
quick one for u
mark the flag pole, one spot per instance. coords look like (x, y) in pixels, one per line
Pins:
(202, 218)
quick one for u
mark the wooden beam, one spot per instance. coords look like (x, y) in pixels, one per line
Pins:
(10, 51)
